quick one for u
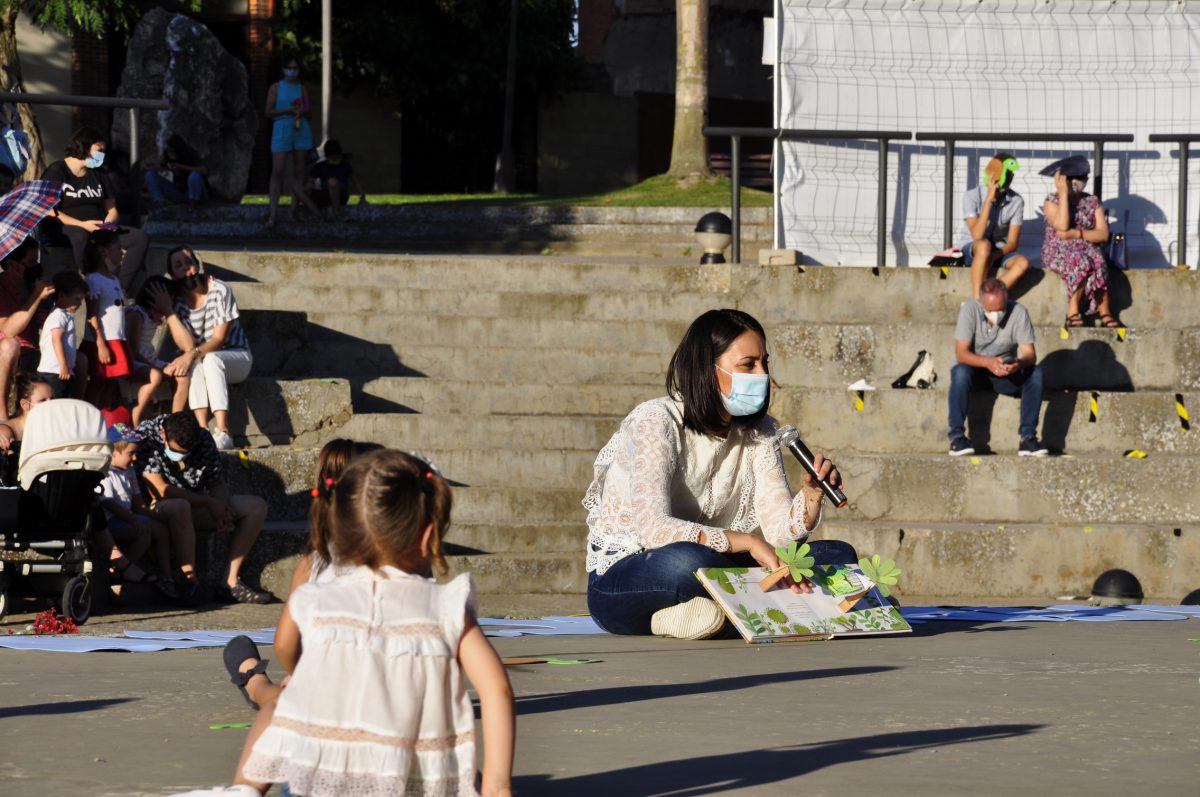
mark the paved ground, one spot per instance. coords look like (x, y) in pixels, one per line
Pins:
(956, 708)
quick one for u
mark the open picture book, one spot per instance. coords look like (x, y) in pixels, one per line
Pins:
(844, 602)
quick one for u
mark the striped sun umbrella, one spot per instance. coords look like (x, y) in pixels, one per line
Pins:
(22, 208)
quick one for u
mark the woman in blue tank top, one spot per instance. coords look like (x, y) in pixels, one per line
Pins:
(291, 138)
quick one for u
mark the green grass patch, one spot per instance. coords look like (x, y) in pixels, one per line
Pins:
(660, 191)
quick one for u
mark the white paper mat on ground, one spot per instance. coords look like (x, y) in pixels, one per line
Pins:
(543, 626)
(73, 643)
(1049, 614)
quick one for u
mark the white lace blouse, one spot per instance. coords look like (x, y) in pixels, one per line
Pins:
(657, 482)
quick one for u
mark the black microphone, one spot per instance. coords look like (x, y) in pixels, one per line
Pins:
(790, 439)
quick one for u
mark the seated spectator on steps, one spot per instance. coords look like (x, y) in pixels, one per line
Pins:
(32, 390)
(23, 310)
(178, 459)
(992, 227)
(89, 202)
(61, 363)
(334, 179)
(219, 355)
(178, 175)
(104, 335)
(994, 344)
(143, 320)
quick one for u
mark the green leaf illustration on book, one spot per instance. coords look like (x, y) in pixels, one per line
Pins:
(796, 557)
(882, 573)
(721, 576)
(752, 619)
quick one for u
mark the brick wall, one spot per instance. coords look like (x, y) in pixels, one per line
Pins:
(260, 50)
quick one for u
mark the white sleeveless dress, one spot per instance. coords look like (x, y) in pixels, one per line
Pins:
(378, 704)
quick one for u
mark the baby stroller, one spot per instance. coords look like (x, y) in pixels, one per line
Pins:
(47, 518)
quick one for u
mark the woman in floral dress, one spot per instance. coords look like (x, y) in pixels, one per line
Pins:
(1076, 230)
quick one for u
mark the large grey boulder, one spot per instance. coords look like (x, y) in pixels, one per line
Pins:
(175, 58)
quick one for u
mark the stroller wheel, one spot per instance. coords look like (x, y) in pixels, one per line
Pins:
(77, 599)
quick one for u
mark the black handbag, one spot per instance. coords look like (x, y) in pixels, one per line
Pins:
(1116, 250)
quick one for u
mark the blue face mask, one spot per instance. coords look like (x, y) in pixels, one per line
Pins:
(94, 161)
(173, 455)
(747, 393)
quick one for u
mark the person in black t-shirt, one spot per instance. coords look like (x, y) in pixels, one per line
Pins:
(333, 180)
(88, 202)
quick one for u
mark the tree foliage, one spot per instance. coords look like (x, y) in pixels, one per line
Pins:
(95, 17)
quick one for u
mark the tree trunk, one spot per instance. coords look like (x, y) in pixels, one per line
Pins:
(688, 150)
(10, 58)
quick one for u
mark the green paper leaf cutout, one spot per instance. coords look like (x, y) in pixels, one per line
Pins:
(796, 557)
(883, 573)
(721, 576)
(777, 616)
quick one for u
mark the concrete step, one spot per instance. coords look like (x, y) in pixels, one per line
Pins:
(578, 303)
(264, 411)
(1142, 298)
(345, 356)
(1033, 560)
(1017, 490)
(514, 432)
(529, 572)
(284, 476)
(420, 394)
(532, 274)
(914, 421)
(833, 355)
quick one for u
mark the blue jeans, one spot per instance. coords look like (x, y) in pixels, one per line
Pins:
(634, 588)
(164, 190)
(1027, 383)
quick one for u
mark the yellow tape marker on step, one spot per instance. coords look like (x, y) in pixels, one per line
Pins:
(1063, 334)
(1133, 453)
(244, 458)
(945, 272)
(1184, 423)
(1121, 334)
(1088, 529)
(1093, 407)
(858, 400)
(974, 460)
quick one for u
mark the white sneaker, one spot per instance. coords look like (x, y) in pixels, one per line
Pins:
(699, 618)
(223, 439)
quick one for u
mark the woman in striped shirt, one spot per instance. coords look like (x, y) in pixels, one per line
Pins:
(221, 354)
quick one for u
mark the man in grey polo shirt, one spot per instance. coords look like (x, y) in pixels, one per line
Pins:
(992, 225)
(994, 346)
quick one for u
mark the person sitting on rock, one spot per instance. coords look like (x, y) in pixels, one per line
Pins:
(992, 225)
(178, 459)
(89, 202)
(333, 179)
(994, 344)
(177, 175)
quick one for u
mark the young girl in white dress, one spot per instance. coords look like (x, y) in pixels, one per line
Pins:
(377, 703)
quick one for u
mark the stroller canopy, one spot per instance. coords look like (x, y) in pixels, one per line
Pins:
(63, 434)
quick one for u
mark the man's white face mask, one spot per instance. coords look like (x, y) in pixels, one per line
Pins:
(993, 316)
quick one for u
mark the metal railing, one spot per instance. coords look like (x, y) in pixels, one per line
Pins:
(736, 134)
(1183, 140)
(1097, 140)
(134, 105)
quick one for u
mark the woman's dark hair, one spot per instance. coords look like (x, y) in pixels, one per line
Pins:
(332, 462)
(382, 505)
(26, 383)
(82, 141)
(692, 375)
(93, 255)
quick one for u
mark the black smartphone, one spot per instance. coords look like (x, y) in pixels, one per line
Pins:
(1008, 359)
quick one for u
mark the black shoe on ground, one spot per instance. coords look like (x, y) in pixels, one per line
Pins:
(961, 447)
(1032, 447)
(240, 593)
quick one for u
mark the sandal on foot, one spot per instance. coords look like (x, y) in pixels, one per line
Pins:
(1110, 321)
(127, 572)
(238, 650)
(1073, 320)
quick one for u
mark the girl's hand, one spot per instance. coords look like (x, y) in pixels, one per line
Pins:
(105, 354)
(6, 437)
(64, 373)
(180, 366)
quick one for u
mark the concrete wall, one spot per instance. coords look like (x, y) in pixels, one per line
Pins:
(587, 143)
(46, 68)
(368, 127)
